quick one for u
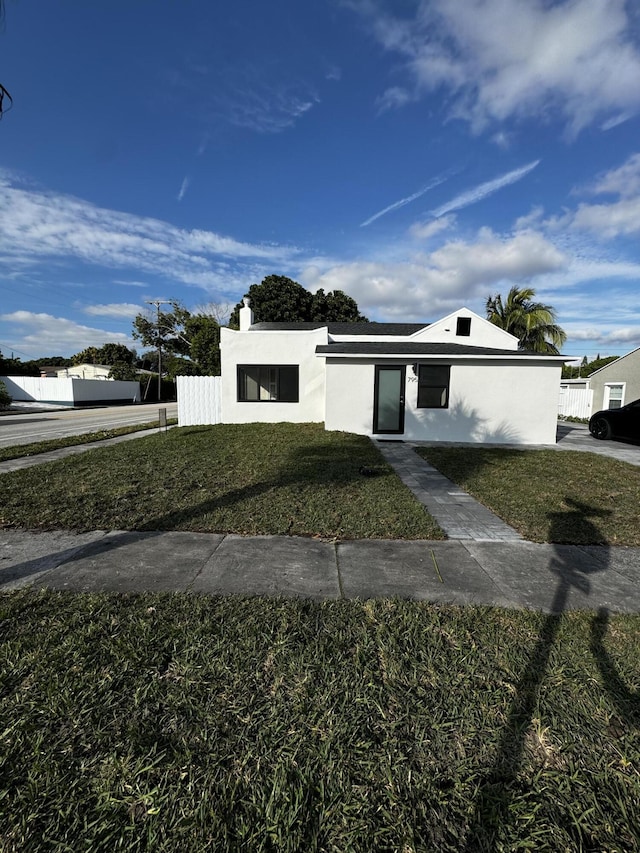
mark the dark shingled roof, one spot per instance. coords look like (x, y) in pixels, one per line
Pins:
(400, 329)
(417, 349)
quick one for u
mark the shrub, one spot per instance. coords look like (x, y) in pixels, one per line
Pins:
(5, 398)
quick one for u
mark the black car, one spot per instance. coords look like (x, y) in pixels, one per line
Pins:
(617, 423)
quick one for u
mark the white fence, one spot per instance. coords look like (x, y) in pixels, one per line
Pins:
(199, 400)
(70, 392)
(575, 402)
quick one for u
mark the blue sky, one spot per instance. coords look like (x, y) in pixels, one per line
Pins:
(417, 155)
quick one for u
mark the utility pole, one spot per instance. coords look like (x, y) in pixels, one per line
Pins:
(158, 303)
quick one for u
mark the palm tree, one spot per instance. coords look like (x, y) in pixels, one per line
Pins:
(531, 322)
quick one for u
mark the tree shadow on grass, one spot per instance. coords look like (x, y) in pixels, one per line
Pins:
(505, 781)
(320, 464)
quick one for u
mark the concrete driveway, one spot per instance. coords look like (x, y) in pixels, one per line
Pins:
(577, 437)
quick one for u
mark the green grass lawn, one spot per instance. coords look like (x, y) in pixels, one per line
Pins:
(17, 451)
(185, 723)
(547, 495)
(292, 479)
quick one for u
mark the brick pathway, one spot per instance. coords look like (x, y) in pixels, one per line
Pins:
(457, 513)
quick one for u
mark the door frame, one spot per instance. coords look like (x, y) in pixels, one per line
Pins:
(401, 401)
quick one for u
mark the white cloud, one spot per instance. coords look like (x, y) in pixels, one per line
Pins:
(37, 225)
(609, 220)
(126, 283)
(429, 284)
(44, 333)
(397, 204)
(393, 98)
(476, 194)
(623, 181)
(577, 60)
(615, 121)
(530, 219)
(184, 186)
(426, 230)
(120, 309)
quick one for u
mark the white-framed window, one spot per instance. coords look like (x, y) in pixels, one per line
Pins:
(267, 383)
(614, 395)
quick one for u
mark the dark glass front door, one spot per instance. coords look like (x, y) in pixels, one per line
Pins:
(388, 400)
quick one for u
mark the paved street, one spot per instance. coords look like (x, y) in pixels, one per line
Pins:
(23, 428)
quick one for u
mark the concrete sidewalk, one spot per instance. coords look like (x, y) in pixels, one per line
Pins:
(484, 561)
(551, 578)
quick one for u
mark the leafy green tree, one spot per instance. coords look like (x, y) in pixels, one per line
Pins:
(531, 322)
(587, 367)
(86, 356)
(277, 300)
(5, 397)
(335, 307)
(176, 365)
(203, 333)
(163, 330)
(193, 337)
(281, 300)
(124, 372)
(108, 354)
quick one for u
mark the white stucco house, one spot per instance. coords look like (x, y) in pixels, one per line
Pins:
(459, 379)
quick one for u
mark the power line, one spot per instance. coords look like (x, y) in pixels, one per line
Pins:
(158, 303)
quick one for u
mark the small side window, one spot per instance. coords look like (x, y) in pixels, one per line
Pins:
(272, 383)
(463, 326)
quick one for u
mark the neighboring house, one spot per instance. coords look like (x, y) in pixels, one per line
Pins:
(575, 398)
(78, 371)
(459, 379)
(617, 383)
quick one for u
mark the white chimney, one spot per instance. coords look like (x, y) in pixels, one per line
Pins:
(246, 316)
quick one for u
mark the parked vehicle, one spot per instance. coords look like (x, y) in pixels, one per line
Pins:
(617, 423)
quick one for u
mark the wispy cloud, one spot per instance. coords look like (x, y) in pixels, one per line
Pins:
(41, 332)
(127, 283)
(481, 191)
(114, 309)
(578, 62)
(258, 98)
(184, 186)
(397, 204)
(616, 120)
(36, 226)
(426, 230)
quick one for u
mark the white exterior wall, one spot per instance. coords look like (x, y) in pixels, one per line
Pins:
(67, 392)
(199, 400)
(84, 371)
(483, 333)
(494, 402)
(255, 347)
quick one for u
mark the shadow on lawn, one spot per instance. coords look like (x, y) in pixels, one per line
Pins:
(303, 466)
(503, 782)
(627, 702)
